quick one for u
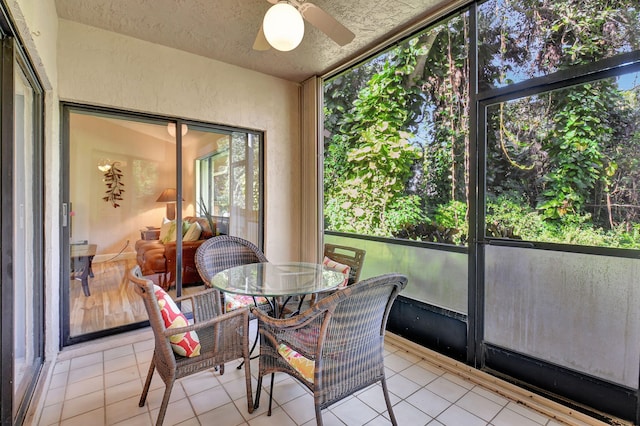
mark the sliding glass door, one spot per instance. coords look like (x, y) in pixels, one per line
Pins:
(22, 267)
(132, 183)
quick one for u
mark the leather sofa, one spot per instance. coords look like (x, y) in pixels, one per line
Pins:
(155, 257)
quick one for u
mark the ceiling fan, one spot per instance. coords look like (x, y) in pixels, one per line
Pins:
(283, 25)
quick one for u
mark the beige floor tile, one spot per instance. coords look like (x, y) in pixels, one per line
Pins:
(429, 402)
(300, 409)
(177, 412)
(507, 417)
(227, 414)
(407, 414)
(121, 376)
(123, 391)
(115, 364)
(401, 386)
(446, 389)
(123, 410)
(278, 417)
(93, 418)
(50, 415)
(118, 352)
(209, 399)
(479, 406)
(455, 416)
(355, 412)
(84, 387)
(82, 404)
(85, 360)
(374, 398)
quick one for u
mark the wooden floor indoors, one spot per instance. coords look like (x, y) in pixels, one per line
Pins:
(112, 302)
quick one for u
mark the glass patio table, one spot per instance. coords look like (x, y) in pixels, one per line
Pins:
(278, 280)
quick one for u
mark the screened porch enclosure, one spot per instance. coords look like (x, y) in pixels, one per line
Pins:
(492, 156)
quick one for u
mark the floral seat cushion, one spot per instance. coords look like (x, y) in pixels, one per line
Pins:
(301, 364)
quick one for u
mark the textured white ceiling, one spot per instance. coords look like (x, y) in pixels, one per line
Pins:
(225, 29)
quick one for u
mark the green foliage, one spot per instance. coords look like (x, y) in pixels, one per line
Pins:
(576, 148)
(561, 166)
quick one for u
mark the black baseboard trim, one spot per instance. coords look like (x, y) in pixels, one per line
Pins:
(439, 329)
(587, 394)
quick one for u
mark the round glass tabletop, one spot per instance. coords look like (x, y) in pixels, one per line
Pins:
(277, 279)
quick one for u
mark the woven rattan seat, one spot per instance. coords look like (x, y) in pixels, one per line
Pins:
(223, 338)
(342, 335)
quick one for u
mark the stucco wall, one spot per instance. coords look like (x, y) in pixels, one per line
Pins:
(103, 68)
(37, 23)
(91, 66)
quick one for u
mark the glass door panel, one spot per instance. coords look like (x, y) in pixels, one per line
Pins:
(27, 238)
(122, 187)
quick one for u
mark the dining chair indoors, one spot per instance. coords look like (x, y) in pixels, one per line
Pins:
(182, 349)
(335, 347)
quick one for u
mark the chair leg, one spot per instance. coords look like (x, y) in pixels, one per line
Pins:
(271, 394)
(147, 383)
(258, 392)
(388, 401)
(247, 378)
(165, 403)
(318, 415)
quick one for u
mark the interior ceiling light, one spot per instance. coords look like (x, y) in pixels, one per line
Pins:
(171, 129)
(283, 26)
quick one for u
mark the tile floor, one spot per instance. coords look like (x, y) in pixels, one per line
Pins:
(100, 384)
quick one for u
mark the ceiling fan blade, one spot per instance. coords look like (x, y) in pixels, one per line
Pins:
(261, 42)
(326, 23)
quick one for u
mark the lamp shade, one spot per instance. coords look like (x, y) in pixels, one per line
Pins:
(169, 195)
(283, 26)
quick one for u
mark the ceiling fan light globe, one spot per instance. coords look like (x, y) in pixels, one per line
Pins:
(283, 26)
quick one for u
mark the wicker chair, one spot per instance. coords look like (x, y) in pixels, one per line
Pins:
(223, 338)
(350, 256)
(224, 252)
(340, 338)
(354, 257)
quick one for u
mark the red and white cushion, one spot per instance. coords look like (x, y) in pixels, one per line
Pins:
(340, 267)
(236, 301)
(184, 344)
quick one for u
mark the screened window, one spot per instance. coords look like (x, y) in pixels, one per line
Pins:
(229, 187)
(396, 140)
(562, 166)
(520, 39)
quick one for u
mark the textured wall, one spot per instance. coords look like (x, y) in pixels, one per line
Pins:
(105, 68)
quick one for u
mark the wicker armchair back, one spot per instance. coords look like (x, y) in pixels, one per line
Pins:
(354, 257)
(342, 336)
(223, 338)
(224, 252)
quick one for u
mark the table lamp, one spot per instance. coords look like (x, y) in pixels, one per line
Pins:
(170, 197)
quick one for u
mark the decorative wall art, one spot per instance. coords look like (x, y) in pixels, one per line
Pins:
(113, 181)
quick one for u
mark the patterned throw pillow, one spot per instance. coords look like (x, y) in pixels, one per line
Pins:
(193, 233)
(184, 344)
(168, 231)
(345, 269)
(302, 365)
